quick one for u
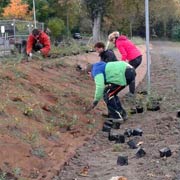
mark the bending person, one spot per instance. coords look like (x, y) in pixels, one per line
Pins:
(129, 52)
(110, 78)
(38, 41)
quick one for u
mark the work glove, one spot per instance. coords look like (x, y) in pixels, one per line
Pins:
(29, 56)
(92, 106)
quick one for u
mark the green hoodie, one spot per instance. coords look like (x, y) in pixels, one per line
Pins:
(112, 72)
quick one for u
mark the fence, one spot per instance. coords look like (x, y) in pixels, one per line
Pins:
(13, 32)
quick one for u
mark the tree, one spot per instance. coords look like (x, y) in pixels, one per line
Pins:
(97, 9)
(16, 10)
(56, 26)
(3, 4)
(163, 11)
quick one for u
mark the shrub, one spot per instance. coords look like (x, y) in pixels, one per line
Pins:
(56, 26)
(175, 34)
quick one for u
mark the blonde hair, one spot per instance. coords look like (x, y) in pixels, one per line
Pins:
(113, 35)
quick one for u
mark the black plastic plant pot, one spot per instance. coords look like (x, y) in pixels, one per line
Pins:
(106, 128)
(140, 153)
(122, 160)
(165, 152)
(139, 109)
(154, 108)
(133, 111)
(120, 139)
(137, 132)
(128, 132)
(132, 144)
(178, 114)
(113, 136)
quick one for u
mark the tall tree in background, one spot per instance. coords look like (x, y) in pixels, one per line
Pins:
(164, 11)
(3, 3)
(97, 10)
(16, 10)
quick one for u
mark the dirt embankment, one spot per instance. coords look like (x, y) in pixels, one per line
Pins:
(42, 115)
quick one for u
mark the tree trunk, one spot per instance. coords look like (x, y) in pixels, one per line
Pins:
(165, 28)
(97, 27)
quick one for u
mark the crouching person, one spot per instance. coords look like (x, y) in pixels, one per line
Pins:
(110, 78)
(39, 42)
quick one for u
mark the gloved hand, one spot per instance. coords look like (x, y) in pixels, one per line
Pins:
(30, 55)
(39, 52)
(92, 106)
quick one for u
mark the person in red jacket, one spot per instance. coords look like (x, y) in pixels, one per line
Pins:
(129, 52)
(38, 41)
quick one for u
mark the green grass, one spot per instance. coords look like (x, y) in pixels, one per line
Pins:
(138, 40)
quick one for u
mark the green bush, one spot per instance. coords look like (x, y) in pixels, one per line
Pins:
(175, 34)
(56, 26)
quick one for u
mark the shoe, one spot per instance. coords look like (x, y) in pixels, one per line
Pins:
(115, 120)
(124, 115)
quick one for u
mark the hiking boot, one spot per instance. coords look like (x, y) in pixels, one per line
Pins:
(115, 120)
(124, 115)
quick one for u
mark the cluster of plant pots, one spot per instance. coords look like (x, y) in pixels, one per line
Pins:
(114, 135)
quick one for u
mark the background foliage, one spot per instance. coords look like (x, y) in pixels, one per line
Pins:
(125, 16)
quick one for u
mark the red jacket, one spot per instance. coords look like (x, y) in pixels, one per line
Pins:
(127, 49)
(43, 39)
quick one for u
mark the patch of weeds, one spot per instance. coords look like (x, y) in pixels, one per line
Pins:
(68, 124)
(28, 111)
(117, 148)
(17, 171)
(39, 152)
(3, 176)
(49, 128)
(32, 138)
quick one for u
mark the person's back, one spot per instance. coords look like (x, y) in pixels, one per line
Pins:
(105, 55)
(127, 49)
(38, 41)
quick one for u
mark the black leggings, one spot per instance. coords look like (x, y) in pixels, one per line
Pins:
(136, 62)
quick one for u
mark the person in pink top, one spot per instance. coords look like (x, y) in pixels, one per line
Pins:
(129, 52)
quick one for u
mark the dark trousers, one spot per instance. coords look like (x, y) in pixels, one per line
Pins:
(134, 63)
(115, 109)
(37, 46)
